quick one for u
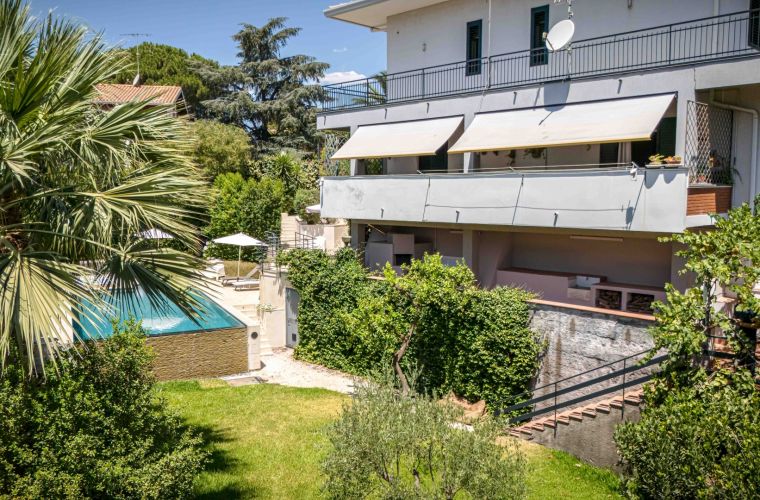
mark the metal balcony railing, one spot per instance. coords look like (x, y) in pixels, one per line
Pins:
(698, 41)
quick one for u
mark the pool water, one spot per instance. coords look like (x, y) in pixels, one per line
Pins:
(169, 319)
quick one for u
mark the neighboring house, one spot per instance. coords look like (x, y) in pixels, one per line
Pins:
(530, 165)
(113, 94)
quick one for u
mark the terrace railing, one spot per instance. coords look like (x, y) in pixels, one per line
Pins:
(698, 41)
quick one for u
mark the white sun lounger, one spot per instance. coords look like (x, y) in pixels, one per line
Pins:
(248, 277)
(245, 285)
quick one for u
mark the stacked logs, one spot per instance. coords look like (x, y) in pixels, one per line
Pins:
(609, 299)
(640, 303)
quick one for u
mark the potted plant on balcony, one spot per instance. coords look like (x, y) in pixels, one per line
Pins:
(656, 161)
(673, 161)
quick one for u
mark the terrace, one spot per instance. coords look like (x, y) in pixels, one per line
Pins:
(702, 41)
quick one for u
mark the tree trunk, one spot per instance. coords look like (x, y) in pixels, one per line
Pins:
(398, 356)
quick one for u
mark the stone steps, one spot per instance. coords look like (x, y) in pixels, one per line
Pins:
(576, 416)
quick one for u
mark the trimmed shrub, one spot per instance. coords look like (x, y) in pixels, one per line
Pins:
(386, 445)
(95, 428)
(475, 342)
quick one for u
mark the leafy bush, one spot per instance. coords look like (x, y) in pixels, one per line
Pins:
(95, 428)
(329, 288)
(283, 166)
(386, 445)
(697, 443)
(475, 342)
(498, 353)
(697, 437)
(219, 148)
(244, 205)
(303, 199)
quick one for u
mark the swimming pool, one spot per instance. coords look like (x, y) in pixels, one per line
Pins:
(168, 320)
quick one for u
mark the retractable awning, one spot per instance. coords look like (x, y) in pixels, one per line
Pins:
(388, 140)
(620, 120)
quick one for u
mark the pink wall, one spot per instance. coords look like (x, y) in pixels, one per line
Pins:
(634, 260)
(445, 241)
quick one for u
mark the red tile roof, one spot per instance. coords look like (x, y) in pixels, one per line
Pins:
(117, 93)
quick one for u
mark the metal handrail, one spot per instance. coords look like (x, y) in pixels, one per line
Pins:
(626, 383)
(580, 374)
(682, 43)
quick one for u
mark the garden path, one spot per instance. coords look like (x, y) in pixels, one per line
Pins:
(281, 368)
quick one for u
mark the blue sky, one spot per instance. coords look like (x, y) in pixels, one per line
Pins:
(206, 27)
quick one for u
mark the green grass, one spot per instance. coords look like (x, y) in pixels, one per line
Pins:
(267, 442)
(554, 474)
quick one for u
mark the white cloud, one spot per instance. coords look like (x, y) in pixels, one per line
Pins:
(340, 50)
(341, 76)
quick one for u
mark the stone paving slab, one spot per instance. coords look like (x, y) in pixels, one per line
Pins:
(281, 368)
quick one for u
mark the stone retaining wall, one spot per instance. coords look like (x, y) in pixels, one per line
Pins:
(579, 340)
(211, 353)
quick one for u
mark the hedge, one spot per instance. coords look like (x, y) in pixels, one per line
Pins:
(474, 342)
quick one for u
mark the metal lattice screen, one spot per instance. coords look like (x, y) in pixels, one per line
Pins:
(709, 154)
(332, 143)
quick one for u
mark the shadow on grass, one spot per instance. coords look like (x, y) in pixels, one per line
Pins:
(219, 461)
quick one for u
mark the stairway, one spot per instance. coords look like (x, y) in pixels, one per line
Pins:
(288, 229)
(586, 432)
(577, 415)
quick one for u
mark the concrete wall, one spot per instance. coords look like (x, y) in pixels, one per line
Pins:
(592, 439)
(212, 353)
(436, 34)
(653, 200)
(639, 261)
(274, 281)
(579, 340)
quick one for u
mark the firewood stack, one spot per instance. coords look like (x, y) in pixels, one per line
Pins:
(640, 303)
(609, 299)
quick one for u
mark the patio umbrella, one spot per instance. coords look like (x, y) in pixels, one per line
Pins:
(240, 240)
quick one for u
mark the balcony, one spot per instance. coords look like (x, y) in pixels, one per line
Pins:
(714, 39)
(610, 198)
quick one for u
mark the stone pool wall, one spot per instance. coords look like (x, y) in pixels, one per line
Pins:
(211, 353)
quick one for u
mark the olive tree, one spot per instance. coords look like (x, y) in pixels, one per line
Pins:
(391, 444)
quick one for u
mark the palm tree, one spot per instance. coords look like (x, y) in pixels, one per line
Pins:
(78, 185)
(376, 90)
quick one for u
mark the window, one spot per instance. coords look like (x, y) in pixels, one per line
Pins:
(438, 161)
(754, 23)
(474, 47)
(608, 153)
(539, 24)
(663, 142)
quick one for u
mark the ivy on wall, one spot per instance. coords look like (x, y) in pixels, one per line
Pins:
(476, 343)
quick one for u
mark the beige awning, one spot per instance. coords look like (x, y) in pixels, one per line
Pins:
(620, 120)
(388, 140)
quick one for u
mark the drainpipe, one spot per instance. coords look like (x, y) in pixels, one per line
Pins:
(755, 140)
(716, 7)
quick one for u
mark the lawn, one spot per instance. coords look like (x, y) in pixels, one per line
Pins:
(266, 442)
(231, 267)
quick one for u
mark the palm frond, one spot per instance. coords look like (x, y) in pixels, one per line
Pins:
(78, 184)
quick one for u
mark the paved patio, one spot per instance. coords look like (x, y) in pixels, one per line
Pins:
(281, 368)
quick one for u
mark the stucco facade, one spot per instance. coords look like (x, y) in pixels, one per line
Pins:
(564, 212)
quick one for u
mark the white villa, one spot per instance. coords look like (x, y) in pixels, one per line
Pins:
(534, 166)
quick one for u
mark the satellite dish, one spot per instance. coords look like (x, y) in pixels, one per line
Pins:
(560, 35)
